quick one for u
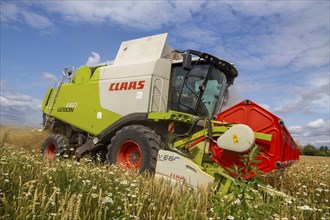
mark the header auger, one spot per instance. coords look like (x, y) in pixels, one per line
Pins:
(158, 110)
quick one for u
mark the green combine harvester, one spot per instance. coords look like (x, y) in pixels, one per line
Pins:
(158, 110)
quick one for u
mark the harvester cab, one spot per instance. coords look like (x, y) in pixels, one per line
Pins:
(200, 87)
(158, 110)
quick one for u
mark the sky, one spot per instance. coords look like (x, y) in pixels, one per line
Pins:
(280, 48)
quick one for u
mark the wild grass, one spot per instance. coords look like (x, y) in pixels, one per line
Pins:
(33, 188)
(27, 138)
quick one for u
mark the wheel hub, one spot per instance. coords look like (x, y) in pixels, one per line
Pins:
(129, 155)
(50, 150)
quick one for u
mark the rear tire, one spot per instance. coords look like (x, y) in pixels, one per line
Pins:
(135, 147)
(56, 145)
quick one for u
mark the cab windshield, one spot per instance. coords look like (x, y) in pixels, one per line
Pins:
(199, 91)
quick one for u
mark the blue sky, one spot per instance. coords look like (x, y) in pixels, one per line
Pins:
(280, 48)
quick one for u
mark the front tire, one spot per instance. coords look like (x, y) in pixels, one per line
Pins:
(55, 145)
(135, 147)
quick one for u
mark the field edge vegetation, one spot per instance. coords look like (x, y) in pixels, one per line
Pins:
(33, 188)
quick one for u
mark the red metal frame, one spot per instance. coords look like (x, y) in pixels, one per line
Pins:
(281, 151)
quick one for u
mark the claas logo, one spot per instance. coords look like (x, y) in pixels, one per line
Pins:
(133, 85)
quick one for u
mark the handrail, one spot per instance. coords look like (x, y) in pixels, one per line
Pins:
(54, 99)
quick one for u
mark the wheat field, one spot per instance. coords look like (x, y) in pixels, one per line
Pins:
(33, 188)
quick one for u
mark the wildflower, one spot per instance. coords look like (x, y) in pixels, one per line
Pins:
(7, 181)
(107, 200)
(305, 207)
(229, 217)
(94, 195)
(237, 201)
(124, 182)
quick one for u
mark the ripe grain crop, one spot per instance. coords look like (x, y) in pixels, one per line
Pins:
(26, 138)
(33, 188)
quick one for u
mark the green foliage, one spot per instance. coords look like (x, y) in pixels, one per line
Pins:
(244, 201)
(4, 138)
(310, 150)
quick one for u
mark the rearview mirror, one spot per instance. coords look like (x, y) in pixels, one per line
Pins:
(186, 63)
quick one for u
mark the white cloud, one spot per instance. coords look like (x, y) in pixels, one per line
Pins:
(23, 14)
(273, 33)
(49, 77)
(296, 129)
(266, 106)
(315, 132)
(37, 21)
(95, 60)
(9, 11)
(266, 8)
(315, 99)
(255, 35)
(20, 109)
(134, 14)
(319, 123)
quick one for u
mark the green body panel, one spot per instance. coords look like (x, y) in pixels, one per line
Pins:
(78, 104)
(171, 115)
(216, 132)
(83, 75)
(47, 99)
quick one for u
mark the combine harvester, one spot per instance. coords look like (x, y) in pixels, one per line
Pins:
(158, 110)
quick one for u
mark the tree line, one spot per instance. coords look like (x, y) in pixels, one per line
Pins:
(313, 151)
